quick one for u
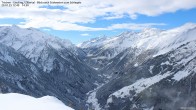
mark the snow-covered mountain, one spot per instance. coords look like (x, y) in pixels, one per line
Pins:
(32, 42)
(163, 82)
(58, 62)
(102, 50)
(154, 72)
(148, 70)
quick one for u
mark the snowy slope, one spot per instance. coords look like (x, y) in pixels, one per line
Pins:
(14, 101)
(138, 86)
(159, 78)
(30, 42)
(104, 49)
(155, 70)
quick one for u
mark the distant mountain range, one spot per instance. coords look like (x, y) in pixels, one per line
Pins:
(149, 70)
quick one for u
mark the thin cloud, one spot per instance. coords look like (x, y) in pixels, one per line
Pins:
(85, 34)
(46, 29)
(5, 25)
(134, 26)
(75, 27)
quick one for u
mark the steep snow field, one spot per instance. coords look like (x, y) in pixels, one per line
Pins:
(14, 101)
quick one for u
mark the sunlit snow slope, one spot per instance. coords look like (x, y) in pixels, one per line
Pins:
(14, 101)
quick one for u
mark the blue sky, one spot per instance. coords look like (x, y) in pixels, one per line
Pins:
(93, 18)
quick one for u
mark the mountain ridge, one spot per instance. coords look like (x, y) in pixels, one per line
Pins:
(128, 71)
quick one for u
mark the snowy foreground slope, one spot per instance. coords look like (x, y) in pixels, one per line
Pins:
(15, 101)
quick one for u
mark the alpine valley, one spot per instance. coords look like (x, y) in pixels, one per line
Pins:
(148, 70)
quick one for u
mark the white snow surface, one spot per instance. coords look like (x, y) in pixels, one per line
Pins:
(181, 74)
(92, 98)
(191, 68)
(184, 56)
(15, 101)
(138, 86)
